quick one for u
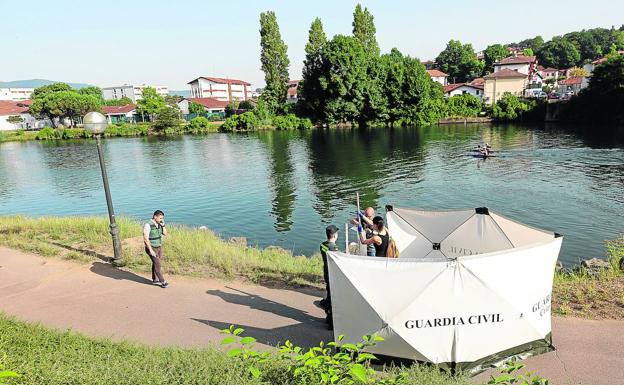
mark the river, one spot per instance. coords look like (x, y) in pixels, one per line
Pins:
(283, 188)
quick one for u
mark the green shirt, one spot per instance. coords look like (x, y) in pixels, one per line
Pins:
(327, 246)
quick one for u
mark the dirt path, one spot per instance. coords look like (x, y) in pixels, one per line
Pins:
(100, 300)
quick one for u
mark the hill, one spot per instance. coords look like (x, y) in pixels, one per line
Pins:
(34, 83)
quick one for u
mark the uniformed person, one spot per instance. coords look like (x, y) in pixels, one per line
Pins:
(329, 245)
(153, 231)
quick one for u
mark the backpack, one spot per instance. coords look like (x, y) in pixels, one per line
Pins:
(392, 251)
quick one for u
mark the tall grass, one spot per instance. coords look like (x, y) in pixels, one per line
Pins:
(44, 356)
(188, 251)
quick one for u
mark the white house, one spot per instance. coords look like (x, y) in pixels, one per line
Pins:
(523, 64)
(438, 76)
(220, 88)
(464, 88)
(15, 94)
(548, 73)
(211, 105)
(116, 114)
(589, 67)
(132, 92)
(19, 108)
(292, 92)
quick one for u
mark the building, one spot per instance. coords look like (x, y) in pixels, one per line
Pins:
(438, 76)
(117, 114)
(132, 92)
(15, 94)
(499, 82)
(220, 88)
(292, 91)
(549, 73)
(19, 108)
(589, 67)
(572, 84)
(211, 105)
(464, 88)
(523, 64)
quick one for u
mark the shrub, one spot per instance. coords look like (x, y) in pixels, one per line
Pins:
(47, 133)
(200, 125)
(243, 122)
(291, 122)
(167, 118)
(509, 107)
(126, 129)
(463, 105)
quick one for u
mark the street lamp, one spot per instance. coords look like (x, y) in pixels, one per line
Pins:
(95, 123)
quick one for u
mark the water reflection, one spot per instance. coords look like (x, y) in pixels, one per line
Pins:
(282, 188)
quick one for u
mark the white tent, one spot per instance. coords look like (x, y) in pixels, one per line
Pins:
(471, 288)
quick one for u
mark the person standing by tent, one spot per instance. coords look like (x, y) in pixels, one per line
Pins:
(329, 245)
(153, 231)
(366, 221)
(380, 238)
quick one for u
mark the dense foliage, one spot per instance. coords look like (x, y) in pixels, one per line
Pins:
(59, 102)
(275, 62)
(150, 104)
(603, 99)
(464, 105)
(310, 90)
(459, 62)
(509, 107)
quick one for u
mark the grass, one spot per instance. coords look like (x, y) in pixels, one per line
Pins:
(187, 251)
(44, 356)
(600, 296)
(201, 253)
(17, 136)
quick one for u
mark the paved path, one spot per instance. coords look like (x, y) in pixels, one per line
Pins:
(100, 300)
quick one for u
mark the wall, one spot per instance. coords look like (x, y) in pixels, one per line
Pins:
(469, 90)
(500, 86)
(15, 94)
(523, 68)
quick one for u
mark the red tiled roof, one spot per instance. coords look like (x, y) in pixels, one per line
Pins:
(222, 80)
(520, 59)
(477, 82)
(292, 91)
(574, 80)
(505, 73)
(604, 58)
(436, 73)
(117, 110)
(550, 69)
(290, 82)
(450, 87)
(9, 107)
(209, 102)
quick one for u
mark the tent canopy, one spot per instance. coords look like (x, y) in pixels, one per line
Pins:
(471, 288)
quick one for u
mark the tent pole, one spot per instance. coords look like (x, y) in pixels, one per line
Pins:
(347, 238)
(357, 200)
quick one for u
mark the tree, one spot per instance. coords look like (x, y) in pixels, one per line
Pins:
(173, 100)
(275, 63)
(151, 103)
(559, 53)
(586, 45)
(167, 117)
(459, 62)
(509, 107)
(124, 101)
(528, 52)
(15, 119)
(494, 53)
(343, 79)
(393, 84)
(364, 30)
(423, 98)
(534, 43)
(577, 71)
(67, 104)
(196, 108)
(246, 105)
(312, 97)
(93, 91)
(42, 91)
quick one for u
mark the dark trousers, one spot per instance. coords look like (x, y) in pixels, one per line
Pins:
(326, 277)
(156, 269)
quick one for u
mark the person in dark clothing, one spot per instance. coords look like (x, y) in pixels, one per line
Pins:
(380, 238)
(329, 245)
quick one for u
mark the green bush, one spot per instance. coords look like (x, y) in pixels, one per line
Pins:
(291, 122)
(509, 107)
(200, 125)
(47, 133)
(126, 129)
(463, 105)
(244, 122)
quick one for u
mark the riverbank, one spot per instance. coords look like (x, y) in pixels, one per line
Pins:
(201, 253)
(114, 130)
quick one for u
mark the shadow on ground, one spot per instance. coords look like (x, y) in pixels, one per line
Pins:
(102, 257)
(307, 332)
(110, 271)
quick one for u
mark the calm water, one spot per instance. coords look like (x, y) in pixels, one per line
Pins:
(282, 188)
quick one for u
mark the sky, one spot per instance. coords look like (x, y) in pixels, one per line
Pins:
(158, 42)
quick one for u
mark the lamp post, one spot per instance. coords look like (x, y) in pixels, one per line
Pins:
(95, 123)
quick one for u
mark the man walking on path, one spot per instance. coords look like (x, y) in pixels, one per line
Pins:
(329, 245)
(153, 231)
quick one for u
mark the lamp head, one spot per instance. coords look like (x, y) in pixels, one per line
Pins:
(95, 122)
